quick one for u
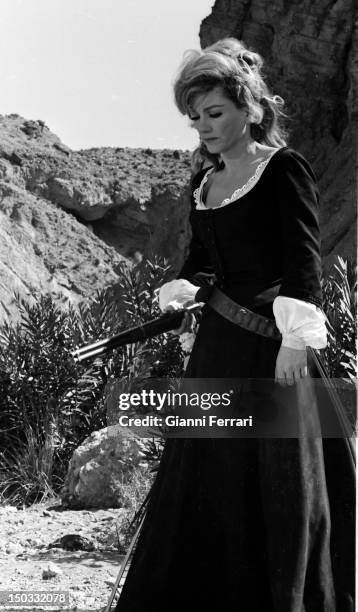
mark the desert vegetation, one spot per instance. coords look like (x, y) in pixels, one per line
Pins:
(49, 404)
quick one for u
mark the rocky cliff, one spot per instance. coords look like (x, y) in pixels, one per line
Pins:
(68, 219)
(311, 59)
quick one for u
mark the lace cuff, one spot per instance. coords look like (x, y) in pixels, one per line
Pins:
(300, 323)
(176, 294)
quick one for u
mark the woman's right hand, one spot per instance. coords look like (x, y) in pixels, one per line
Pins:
(187, 324)
(175, 295)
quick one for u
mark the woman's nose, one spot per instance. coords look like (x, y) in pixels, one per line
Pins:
(203, 127)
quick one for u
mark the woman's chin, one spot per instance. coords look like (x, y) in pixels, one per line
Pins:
(213, 146)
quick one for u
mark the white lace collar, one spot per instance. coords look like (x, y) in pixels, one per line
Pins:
(238, 193)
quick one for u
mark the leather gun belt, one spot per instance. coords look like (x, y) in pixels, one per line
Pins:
(242, 316)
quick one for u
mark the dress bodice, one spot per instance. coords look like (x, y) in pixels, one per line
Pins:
(237, 193)
(264, 243)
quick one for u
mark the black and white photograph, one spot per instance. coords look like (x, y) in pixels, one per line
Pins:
(178, 305)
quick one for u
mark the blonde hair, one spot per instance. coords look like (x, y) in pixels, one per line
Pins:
(237, 70)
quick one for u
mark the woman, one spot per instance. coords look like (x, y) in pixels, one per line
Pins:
(245, 524)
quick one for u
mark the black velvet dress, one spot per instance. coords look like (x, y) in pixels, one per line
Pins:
(249, 525)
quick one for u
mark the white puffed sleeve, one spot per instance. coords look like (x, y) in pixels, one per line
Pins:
(300, 323)
(177, 293)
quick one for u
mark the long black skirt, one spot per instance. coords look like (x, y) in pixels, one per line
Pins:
(245, 525)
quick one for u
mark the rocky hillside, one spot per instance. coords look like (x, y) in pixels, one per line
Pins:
(68, 219)
(311, 54)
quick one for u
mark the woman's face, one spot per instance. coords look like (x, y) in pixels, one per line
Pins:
(222, 126)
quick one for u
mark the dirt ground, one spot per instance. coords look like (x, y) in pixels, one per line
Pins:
(24, 554)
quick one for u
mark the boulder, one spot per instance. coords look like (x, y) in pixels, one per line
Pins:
(100, 467)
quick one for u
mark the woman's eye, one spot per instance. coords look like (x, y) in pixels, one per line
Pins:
(196, 118)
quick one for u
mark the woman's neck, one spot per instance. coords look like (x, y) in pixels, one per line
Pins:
(234, 160)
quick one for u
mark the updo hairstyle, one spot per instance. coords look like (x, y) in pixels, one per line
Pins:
(237, 70)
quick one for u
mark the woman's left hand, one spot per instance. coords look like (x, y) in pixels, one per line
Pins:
(291, 365)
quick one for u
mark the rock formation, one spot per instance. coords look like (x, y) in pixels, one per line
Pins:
(68, 219)
(100, 467)
(311, 59)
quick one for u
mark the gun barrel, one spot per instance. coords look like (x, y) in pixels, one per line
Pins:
(140, 333)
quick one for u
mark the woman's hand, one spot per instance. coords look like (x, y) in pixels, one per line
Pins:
(291, 365)
(187, 325)
(178, 294)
